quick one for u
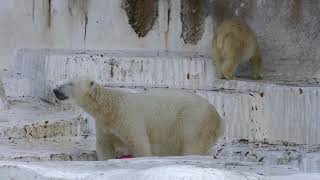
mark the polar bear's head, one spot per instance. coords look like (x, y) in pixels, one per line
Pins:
(75, 90)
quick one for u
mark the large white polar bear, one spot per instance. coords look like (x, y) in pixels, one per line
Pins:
(153, 123)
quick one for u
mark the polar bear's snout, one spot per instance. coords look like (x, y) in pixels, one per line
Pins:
(63, 92)
(73, 90)
(59, 94)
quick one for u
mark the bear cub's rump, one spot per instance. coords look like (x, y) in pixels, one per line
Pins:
(234, 42)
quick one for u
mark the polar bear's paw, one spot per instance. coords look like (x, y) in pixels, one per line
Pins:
(128, 156)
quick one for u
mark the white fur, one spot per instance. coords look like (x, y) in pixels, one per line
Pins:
(157, 122)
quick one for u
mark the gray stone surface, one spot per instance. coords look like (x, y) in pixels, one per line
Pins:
(288, 32)
(48, 149)
(31, 118)
(300, 157)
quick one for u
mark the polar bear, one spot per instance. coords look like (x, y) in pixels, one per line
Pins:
(233, 43)
(153, 123)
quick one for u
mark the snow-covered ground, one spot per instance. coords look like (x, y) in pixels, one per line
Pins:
(152, 168)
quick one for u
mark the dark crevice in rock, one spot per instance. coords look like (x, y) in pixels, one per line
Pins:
(49, 13)
(193, 14)
(142, 14)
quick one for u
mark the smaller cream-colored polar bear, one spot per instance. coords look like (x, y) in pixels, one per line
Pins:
(154, 123)
(233, 43)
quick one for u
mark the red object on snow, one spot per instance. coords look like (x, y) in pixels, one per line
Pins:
(125, 157)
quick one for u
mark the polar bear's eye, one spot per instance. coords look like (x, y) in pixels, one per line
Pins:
(91, 83)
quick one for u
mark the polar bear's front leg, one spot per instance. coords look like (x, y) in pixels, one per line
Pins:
(140, 145)
(105, 151)
(104, 147)
(4, 104)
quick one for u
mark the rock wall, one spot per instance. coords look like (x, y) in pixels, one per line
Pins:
(288, 30)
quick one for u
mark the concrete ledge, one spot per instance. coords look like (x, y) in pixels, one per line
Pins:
(288, 156)
(278, 113)
(131, 68)
(147, 69)
(192, 167)
(48, 149)
(300, 157)
(32, 118)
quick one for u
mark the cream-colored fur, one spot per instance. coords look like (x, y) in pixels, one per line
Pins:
(234, 42)
(153, 123)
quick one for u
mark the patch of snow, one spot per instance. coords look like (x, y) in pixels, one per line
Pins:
(151, 168)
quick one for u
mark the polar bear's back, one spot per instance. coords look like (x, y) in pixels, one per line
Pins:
(164, 107)
(172, 94)
(168, 97)
(174, 117)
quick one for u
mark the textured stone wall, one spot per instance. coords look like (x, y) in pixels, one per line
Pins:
(288, 30)
(142, 14)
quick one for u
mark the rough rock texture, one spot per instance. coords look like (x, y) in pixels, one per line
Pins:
(31, 119)
(289, 38)
(79, 8)
(142, 14)
(288, 30)
(48, 149)
(193, 14)
(294, 156)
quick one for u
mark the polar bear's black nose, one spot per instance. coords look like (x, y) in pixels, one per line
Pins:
(59, 94)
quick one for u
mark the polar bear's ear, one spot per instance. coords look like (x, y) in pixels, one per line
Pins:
(91, 83)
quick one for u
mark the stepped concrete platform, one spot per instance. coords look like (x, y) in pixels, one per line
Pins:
(32, 118)
(297, 157)
(69, 141)
(131, 68)
(278, 108)
(33, 130)
(272, 124)
(48, 149)
(153, 168)
(300, 157)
